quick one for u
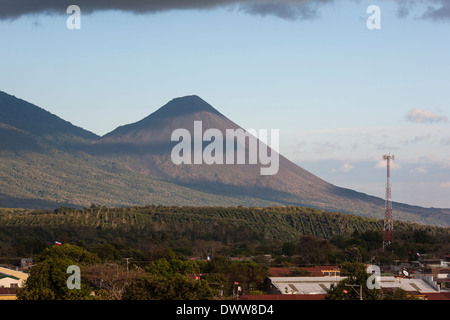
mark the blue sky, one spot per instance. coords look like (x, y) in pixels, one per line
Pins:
(342, 95)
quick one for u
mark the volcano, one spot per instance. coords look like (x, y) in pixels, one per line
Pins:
(50, 162)
(146, 146)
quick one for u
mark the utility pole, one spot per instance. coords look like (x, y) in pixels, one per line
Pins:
(388, 228)
(353, 287)
(127, 262)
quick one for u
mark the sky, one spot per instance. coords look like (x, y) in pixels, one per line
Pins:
(341, 94)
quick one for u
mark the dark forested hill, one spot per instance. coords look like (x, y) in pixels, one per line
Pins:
(24, 126)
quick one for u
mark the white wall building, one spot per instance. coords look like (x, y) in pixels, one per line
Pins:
(18, 277)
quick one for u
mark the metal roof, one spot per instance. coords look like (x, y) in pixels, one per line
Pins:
(3, 275)
(320, 285)
(406, 284)
(304, 285)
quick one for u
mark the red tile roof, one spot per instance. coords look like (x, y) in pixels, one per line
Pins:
(438, 296)
(280, 272)
(314, 271)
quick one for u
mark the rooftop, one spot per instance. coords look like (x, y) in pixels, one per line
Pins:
(304, 285)
(316, 271)
(320, 285)
(406, 284)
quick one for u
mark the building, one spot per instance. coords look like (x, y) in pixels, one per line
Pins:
(22, 276)
(301, 285)
(10, 280)
(26, 263)
(313, 283)
(438, 269)
(7, 293)
(412, 285)
(317, 271)
(316, 288)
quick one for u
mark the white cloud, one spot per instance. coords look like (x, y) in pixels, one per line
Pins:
(382, 164)
(419, 170)
(445, 185)
(424, 116)
(346, 167)
(440, 162)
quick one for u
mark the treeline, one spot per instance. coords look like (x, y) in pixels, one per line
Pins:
(364, 247)
(199, 231)
(113, 271)
(166, 276)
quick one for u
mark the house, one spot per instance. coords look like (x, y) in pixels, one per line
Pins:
(8, 286)
(13, 275)
(439, 269)
(10, 280)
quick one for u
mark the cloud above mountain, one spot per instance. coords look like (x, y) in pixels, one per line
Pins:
(284, 9)
(424, 116)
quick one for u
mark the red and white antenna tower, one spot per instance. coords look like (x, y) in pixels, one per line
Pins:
(388, 228)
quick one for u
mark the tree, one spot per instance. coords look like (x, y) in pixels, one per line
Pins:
(68, 251)
(288, 249)
(398, 294)
(354, 286)
(206, 247)
(168, 268)
(179, 287)
(352, 254)
(219, 283)
(48, 278)
(249, 274)
(106, 252)
(111, 279)
(313, 250)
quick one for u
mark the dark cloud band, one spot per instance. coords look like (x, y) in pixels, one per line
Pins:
(438, 10)
(285, 9)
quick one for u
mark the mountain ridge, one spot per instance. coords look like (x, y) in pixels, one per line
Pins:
(24, 113)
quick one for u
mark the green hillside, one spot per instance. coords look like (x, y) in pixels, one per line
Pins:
(22, 231)
(56, 178)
